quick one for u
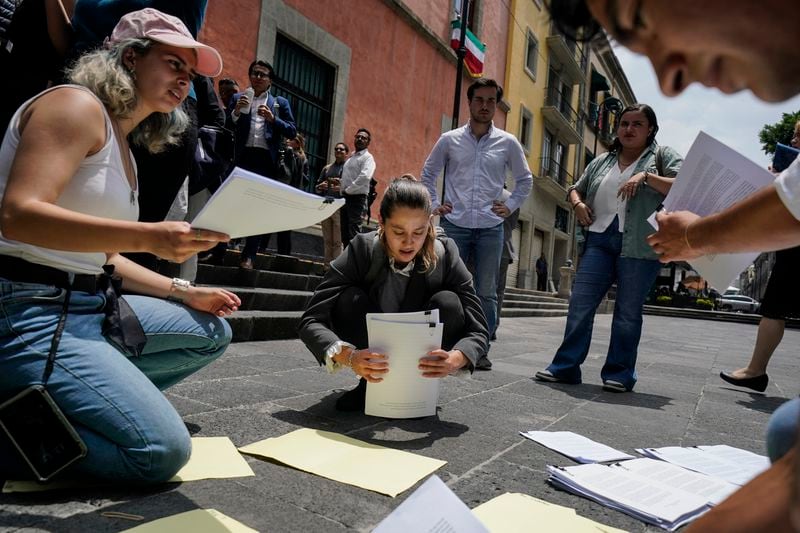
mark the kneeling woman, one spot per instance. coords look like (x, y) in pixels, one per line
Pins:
(69, 206)
(403, 267)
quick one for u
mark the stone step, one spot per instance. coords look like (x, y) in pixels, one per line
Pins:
(530, 292)
(264, 325)
(262, 299)
(516, 312)
(519, 304)
(533, 298)
(233, 276)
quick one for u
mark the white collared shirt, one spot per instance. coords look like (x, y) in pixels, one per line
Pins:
(357, 171)
(788, 186)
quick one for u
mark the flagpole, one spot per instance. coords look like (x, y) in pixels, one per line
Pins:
(461, 53)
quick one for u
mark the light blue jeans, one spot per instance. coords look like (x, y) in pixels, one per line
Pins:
(782, 429)
(480, 249)
(133, 433)
(600, 266)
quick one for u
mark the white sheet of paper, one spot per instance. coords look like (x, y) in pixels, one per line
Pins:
(712, 488)
(432, 508)
(712, 178)
(576, 446)
(249, 204)
(726, 462)
(403, 393)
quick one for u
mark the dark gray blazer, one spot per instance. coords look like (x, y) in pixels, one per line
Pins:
(364, 264)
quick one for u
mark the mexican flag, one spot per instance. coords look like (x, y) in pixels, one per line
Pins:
(476, 50)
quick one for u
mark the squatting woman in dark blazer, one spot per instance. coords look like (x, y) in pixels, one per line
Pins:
(402, 267)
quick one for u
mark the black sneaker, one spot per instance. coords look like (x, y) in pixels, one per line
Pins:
(353, 400)
(483, 363)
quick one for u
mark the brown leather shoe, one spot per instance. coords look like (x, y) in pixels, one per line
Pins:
(247, 264)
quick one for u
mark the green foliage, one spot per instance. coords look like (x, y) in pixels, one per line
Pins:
(780, 132)
(704, 303)
(664, 299)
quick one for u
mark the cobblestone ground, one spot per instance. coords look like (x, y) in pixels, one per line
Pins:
(266, 389)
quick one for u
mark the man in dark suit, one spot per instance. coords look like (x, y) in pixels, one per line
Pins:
(261, 122)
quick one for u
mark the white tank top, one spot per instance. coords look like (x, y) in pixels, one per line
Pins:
(99, 188)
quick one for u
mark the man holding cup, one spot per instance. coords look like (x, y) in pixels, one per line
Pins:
(261, 122)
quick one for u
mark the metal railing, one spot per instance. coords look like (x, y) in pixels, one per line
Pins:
(555, 99)
(556, 171)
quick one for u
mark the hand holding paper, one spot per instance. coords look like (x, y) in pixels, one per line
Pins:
(672, 240)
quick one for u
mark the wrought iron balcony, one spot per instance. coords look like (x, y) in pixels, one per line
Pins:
(567, 123)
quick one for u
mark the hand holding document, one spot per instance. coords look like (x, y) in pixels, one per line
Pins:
(249, 204)
(714, 177)
(404, 338)
(576, 446)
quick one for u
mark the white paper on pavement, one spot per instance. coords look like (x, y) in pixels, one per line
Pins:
(712, 488)
(576, 446)
(712, 178)
(403, 393)
(432, 508)
(726, 462)
(248, 204)
(646, 499)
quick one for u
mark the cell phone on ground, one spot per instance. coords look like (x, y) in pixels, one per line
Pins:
(40, 432)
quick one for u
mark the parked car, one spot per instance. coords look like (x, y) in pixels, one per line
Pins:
(738, 303)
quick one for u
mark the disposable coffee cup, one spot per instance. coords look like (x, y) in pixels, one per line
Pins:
(250, 94)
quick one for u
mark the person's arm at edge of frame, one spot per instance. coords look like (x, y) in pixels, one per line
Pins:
(759, 223)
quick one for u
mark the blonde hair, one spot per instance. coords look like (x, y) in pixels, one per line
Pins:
(103, 72)
(405, 191)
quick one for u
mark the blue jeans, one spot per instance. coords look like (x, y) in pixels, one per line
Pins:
(132, 432)
(480, 249)
(600, 266)
(782, 429)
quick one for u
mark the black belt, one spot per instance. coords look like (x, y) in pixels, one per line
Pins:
(121, 326)
(16, 269)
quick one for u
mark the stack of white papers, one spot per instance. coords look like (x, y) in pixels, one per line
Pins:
(726, 462)
(404, 338)
(655, 492)
(576, 447)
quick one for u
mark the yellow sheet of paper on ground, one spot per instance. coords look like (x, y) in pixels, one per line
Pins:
(347, 460)
(197, 521)
(518, 513)
(212, 458)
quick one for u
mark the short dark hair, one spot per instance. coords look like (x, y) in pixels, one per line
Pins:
(652, 121)
(365, 130)
(347, 148)
(227, 81)
(260, 63)
(573, 19)
(484, 82)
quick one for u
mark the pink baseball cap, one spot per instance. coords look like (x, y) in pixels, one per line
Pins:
(152, 24)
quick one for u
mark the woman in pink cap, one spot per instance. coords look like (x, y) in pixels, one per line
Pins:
(69, 207)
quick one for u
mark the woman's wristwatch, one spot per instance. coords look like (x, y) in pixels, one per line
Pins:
(178, 289)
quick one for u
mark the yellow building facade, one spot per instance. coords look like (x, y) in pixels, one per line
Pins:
(553, 90)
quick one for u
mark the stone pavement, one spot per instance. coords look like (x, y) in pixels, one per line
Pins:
(266, 389)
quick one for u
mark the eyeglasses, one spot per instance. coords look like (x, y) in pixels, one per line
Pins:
(261, 75)
(340, 150)
(362, 138)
